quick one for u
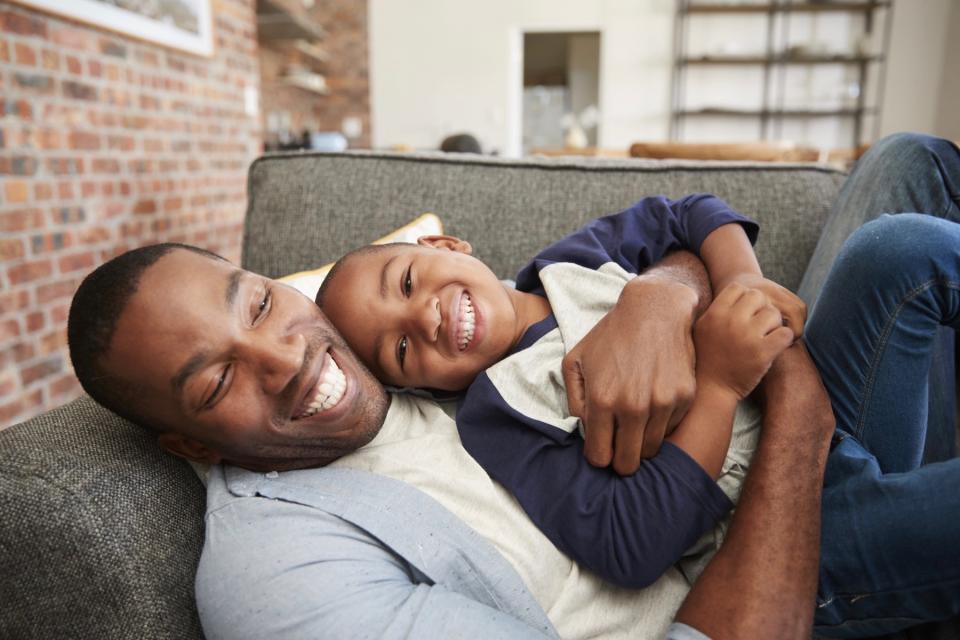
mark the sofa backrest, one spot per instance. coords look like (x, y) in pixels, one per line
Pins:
(306, 209)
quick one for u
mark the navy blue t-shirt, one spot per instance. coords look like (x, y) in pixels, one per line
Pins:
(629, 530)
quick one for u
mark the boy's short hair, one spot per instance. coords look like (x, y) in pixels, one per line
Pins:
(365, 250)
(96, 309)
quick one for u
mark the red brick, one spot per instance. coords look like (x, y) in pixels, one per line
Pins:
(79, 90)
(41, 370)
(8, 385)
(105, 165)
(47, 138)
(77, 261)
(25, 54)
(9, 329)
(53, 342)
(88, 189)
(84, 141)
(65, 190)
(60, 313)
(11, 248)
(15, 22)
(67, 384)
(13, 301)
(74, 38)
(94, 68)
(4, 51)
(23, 351)
(16, 191)
(20, 220)
(35, 321)
(47, 242)
(51, 60)
(93, 235)
(29, 271)
(145, 206)
(123, 143)
(56, 291)
(74, 65)
(34, 82)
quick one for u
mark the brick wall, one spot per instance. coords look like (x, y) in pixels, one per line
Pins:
(346, 72)
(107, 143)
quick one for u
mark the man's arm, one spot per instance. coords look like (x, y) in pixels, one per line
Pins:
(274, 569)
(761, 584)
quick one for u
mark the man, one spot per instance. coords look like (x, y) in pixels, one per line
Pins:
(231, 368)
(227, 367)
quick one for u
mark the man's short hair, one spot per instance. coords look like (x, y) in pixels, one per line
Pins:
(96, 309)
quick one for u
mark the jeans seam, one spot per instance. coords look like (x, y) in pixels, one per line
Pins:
(882, 345)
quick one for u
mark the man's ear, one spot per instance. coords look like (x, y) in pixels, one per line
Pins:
(187, 448)
(451, 243)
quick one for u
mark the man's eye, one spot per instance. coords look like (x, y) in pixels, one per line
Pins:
(213, 397)
(402, 351)
(407, 284)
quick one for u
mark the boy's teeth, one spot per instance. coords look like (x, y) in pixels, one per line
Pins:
(467, 321)
(329, 390)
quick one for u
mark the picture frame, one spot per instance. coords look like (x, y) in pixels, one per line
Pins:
(186, 25)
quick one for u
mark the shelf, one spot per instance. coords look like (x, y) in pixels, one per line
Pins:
(755, 60)
(308, 81)
(312, 51)
(276, 23)
(776, 113)
(800, 7)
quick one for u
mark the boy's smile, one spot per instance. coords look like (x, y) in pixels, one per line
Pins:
(427, 316)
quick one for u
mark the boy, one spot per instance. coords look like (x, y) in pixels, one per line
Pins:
(433, 316)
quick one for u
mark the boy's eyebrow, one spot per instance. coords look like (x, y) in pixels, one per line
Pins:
(383, 276)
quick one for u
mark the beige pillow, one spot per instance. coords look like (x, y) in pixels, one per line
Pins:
(308, 282)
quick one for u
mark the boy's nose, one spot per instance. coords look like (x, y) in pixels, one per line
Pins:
(428, 320)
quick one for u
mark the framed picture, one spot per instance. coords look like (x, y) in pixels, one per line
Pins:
(180, 24)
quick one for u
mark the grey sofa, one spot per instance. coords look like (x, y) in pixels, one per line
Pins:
(100, 533)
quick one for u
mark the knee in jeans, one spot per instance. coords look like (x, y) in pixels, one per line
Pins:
(905, 145)
(896, 239)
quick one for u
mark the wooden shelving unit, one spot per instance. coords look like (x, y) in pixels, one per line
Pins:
(778, 54)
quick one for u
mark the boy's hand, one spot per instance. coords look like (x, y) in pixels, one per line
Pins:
(791, 307)
(738, 338)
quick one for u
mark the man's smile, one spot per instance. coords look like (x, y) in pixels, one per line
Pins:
(324, 391)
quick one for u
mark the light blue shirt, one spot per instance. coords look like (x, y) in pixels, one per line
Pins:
(339, 553)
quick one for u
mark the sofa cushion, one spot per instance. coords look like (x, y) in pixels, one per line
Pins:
(509, 209)
(100, 532)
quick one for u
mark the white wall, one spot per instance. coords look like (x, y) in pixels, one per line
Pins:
(917, 66)
(443, 66)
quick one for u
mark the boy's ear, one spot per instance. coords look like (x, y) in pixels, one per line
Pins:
(450, 243)
(187, 448)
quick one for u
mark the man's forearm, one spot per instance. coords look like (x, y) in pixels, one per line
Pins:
(762, 582)
(686, 268)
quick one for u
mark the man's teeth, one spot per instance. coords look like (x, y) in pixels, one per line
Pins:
(467, 321)
(329, 390)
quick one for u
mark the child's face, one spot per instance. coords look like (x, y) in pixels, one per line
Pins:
(426, 315)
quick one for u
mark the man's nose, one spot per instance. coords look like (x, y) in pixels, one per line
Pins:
(275, 361)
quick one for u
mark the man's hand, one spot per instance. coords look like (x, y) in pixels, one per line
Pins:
(738, 338)
(791, 307)
(631, 379)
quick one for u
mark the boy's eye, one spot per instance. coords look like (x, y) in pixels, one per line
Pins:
(407, 283)
(260, 308)
(402, 351)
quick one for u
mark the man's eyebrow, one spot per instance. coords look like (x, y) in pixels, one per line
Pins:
(191, 367)
(383, 277)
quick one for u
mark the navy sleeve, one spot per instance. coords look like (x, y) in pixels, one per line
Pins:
(629, 530)
(639, 236)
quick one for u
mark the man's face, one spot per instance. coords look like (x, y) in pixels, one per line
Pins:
(239, 368)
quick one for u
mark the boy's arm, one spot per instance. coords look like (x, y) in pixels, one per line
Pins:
(737, 340)
(761, 584)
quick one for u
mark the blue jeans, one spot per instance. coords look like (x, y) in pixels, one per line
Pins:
(890, 554)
